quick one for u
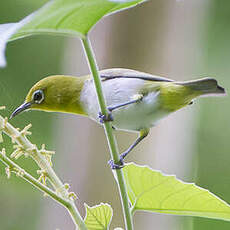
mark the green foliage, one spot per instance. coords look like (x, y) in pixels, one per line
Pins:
(71, 16)
(150, 190)
(98, 217)
(66, 17)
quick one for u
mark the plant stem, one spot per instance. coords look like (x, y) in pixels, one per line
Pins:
(26, 146)
(109, 132)
(13, 167)
(76, 217)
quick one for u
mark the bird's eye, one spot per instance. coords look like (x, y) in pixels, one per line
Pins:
(38, 96)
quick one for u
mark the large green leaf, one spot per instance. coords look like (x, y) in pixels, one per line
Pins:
(151, 190)
(98, 217)
(74, 17)
(66, 17)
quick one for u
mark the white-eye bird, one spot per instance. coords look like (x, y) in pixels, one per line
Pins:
(136, 100)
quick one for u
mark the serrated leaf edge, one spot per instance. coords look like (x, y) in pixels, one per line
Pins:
(133, 208)
(88, 208)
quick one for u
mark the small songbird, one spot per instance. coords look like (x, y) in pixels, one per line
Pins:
(136, 100)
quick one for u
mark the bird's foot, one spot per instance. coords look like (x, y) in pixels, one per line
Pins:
(105, 118)
(118, 165)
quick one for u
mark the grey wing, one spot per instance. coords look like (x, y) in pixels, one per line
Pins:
(128, 73)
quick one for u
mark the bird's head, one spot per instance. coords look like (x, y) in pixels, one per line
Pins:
(54, 94)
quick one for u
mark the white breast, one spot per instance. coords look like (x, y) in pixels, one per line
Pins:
(137, 116)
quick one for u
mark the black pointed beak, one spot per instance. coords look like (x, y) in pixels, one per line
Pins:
(20, 109)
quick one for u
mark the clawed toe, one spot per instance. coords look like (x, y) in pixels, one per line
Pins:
(114, 166)
(103, 118)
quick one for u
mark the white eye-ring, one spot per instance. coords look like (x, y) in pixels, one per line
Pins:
(38, 96)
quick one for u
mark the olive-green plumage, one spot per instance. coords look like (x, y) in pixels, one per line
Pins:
(137, 100)
(62, 94)
(158, 96)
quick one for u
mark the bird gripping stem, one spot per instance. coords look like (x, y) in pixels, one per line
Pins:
(109, 133)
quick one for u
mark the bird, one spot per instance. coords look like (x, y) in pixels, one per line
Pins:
(136, 101)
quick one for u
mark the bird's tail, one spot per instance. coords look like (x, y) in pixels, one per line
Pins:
(204, 86)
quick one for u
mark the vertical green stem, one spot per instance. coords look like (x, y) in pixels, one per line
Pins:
(109, 133)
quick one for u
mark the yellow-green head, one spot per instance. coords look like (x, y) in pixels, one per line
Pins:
(54, 94)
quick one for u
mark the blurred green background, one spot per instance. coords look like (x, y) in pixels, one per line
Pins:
(178, 39)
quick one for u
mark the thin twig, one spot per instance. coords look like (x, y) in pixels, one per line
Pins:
(13, 167)
(42, 158)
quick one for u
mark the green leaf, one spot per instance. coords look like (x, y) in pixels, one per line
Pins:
(98, 217)
(150, 190)
(72, 17)
(6, 31)
(65, 17)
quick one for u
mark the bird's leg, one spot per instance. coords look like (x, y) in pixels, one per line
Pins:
(103, 118)
(137, 98)
(143, 133)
